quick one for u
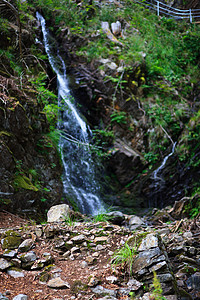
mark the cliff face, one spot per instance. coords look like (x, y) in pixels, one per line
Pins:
(30, 169)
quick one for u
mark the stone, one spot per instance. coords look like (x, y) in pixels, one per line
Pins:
(57, 283)
(134, 285)
(26, 245)
(116, 217)
(93, 281)
(78, 239)
(101, 240)
(67, 254)
(90, 260)
(9, 254)
(193, 281)
(27, 259)
(84, 264)
(187, 235)
(100, 290)
(116, 28)
(135, 220)
(58, 213)
(150, 241)
(4, 264)
(2, 297)
(21, 297)
(75, 250)
(16, 262)
(165, 277)
(15, 274)
(12, 241)
(112, 279)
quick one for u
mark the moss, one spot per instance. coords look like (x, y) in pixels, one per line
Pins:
(25, 183)
(135, 240)
(11, 241)
(77, 286)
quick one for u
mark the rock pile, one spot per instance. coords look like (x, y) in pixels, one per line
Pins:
(55, 251)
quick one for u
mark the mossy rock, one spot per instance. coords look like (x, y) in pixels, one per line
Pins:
(135, 240)
(24, 183)
(78, 286)
(11, 241)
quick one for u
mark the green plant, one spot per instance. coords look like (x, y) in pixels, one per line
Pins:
(157, 289)
(124, 258)
(69, 220)
(118, 117)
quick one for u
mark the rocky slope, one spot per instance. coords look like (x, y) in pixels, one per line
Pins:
(81, 259)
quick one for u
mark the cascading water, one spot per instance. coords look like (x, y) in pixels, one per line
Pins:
(158, 184)
(79, 181)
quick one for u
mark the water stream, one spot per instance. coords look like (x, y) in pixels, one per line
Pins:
(79, 180)
(158, 184)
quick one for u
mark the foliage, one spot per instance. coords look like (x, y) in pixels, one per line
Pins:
(124, 257)
(157, 289)
(118, 117)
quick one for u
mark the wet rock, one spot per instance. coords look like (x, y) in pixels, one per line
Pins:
(21, 297)
(26, 245)
(57, 283)
(4, 264)
(58, 213)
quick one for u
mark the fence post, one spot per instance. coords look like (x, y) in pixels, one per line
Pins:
(158, 12)
(190, 15)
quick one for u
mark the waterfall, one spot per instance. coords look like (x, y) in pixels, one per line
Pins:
(158, 185)
(155, 173)
(80, 185)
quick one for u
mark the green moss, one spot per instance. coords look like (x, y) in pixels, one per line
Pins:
(78, 286)
(11, 241)
(24, 183)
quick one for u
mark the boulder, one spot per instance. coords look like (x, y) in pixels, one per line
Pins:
(58, 213)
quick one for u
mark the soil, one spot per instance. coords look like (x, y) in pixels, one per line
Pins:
(70, 270)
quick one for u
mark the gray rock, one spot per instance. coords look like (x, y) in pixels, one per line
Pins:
(111, 279)
(27, 259)
(16, 262)
(108, 298)
(116, 217)
(57, 283)
(193, 281)
(58, 213)
(165, 277)
(4, 264)
(2, 297)
(150, 241)
(135, 220)
(79, 239)
(100, 290)
(116, 28)
(134, 285)
(100, 240)
(9, 254)
(26, 245)
(20, 297)
(15, 274)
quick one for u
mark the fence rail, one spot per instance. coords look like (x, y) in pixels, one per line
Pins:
(161, 8)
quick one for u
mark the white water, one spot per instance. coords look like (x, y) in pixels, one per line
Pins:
(79, 181)
(155, 173)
